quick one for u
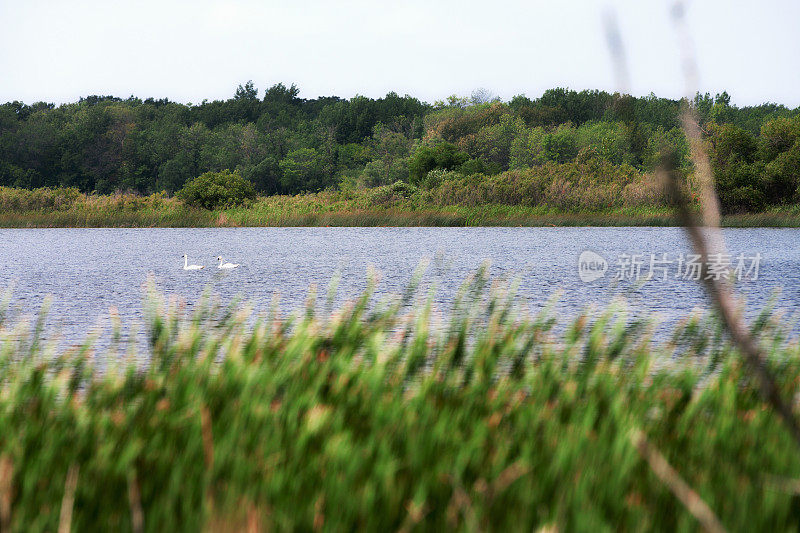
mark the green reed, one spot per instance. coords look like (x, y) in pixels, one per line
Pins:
(385, 415)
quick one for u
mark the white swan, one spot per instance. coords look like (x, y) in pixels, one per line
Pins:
(227, 266)
(187, 266)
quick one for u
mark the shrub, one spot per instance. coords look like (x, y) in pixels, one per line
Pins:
(43, 198)
(217, 190)
(588, 183)
(742, 199)
(479, 166)
(561, 144)
(391, 193)
(609, 140)
(402, 189)
(437, 176)
(444, 156)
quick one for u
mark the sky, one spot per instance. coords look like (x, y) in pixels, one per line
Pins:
(191, 50)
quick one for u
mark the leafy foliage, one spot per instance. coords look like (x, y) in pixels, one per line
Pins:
(304, 169)
(217, 190)
(441, 156)
(285, 144)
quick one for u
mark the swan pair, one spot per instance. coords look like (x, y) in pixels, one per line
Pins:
(225, 266)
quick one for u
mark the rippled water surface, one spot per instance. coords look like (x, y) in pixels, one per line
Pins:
(87, 271)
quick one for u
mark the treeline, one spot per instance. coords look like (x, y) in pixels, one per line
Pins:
(284, 144)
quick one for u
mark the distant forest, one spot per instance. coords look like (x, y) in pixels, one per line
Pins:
(285, 144)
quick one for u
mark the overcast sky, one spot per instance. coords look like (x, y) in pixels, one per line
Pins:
(188, 50)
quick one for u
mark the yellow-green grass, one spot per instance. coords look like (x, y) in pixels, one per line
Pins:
(56, 208)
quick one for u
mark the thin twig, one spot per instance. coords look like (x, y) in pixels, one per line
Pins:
(673, 480)
(208, 438)
(208, 452)
(6, 490)
(720, 290)
(253, 519)
(508, 476)
(135, 501)
(68, 501)
(782, 484)
(704, 177)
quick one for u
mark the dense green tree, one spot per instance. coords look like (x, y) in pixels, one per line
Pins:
(782, 176)
(739, 182)
(609, 140)
(777, 136)
(280, 108)
(264, 175)
(354, 119)
(578, 107)
(527, 149)
(662, 141)
(443, 156)
(492, 144)
(779, 150)
(389, 161)
(283, 143)
(453, 123)
(561, 144)
(304, 170)
(217, 190)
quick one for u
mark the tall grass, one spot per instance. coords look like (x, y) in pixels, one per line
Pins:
(497, 201)
(367, 417)
(67, 207)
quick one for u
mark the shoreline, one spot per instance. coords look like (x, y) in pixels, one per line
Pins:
(382, 206)
(455, 217)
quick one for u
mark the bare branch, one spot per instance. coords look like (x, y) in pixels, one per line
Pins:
(673, 480)
(720, 291)
(706, 236)
(6, 488)
(68, 501)
(135, 501)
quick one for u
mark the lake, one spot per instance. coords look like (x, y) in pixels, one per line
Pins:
(87, 271)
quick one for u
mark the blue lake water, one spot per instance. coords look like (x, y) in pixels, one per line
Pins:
(88, 271)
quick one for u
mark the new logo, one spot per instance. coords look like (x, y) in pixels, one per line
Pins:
(591, 266)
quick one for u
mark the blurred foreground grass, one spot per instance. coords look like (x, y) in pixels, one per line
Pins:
(367, 418)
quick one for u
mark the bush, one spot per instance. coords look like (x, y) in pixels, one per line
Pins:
(40, 199)
(390, 193)
(742, 199)
(591, 183)
(403, 189)
(443, 156)
(479, 166)
(437, 176)
(217, 190)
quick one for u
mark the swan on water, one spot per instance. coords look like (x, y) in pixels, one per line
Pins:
(226, 265)
(187, 266)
